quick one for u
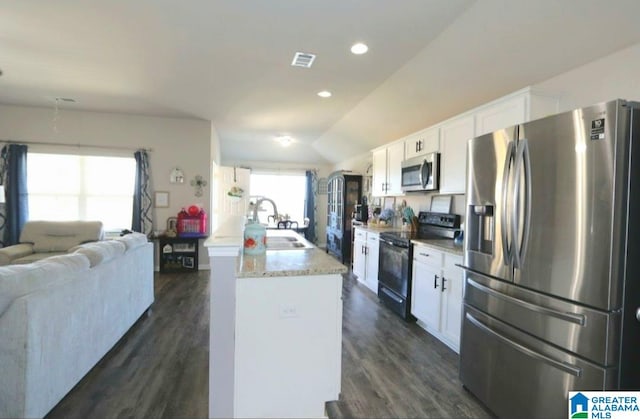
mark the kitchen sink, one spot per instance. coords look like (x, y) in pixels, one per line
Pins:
(286, 243)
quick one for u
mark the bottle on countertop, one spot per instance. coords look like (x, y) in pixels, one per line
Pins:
(255, 239)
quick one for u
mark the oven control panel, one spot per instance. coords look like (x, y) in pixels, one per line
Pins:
(439, 219)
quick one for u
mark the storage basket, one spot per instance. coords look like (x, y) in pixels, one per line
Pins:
(192, 223)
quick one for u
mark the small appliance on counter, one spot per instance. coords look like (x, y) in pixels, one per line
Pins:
(361, 211)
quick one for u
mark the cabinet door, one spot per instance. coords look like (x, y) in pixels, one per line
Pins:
(359, 259)
(395, 156)
(373, 249)
(379, 179)
(454, 137)
(451, 312)
(425, 295)
(412, 145)
(501, 114)
(423, 142)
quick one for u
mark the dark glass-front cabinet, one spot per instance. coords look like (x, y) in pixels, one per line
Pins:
(344, 192)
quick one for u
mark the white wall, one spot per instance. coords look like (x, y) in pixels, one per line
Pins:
(611, 77)
(176, 142)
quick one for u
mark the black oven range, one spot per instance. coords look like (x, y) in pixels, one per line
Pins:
(396, 255)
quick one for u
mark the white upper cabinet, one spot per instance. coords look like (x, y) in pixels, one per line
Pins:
(379, 173)
(516, 108)
(455, 134)
(450, 139)
(387, 170)
(423, 142)
(395, 156)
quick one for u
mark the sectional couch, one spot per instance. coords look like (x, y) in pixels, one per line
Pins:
(61, 314)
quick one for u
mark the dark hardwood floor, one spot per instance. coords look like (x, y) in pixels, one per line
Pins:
(390, 368)
(160, 368)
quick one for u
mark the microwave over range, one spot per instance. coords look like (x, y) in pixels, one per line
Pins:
(421, 173)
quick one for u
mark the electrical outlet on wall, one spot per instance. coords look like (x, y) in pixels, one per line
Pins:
(288, 311)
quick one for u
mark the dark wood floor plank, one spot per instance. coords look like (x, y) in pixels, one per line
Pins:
(390, 368)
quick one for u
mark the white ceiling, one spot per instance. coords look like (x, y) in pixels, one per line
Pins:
(228, 61)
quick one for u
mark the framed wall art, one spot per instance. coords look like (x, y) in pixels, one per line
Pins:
(161, 199)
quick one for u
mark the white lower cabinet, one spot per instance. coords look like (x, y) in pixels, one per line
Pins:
(436, 295)
(366, 246)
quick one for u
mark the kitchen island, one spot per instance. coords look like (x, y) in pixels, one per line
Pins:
(276, 327)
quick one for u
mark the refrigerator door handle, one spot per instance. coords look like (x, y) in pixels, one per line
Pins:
(574, 318)
(506, 246)
(526, 223)
(523, 163)
(563, 366)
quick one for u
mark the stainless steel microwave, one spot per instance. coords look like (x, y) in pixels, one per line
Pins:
(421, 173)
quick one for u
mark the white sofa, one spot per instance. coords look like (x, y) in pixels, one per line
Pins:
(60, 315)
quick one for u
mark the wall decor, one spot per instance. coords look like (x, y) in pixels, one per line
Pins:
(161, 199)
(198, 183)
(177, 176)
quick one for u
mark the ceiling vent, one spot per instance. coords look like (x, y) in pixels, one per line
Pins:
(303, 59)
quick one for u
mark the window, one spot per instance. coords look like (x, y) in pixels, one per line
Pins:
(287, 191)
(72, 187)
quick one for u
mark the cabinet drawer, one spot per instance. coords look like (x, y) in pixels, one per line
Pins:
(428, 256)
(450, 262)
(360, 234)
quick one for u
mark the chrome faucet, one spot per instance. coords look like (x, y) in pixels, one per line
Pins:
(257, 207)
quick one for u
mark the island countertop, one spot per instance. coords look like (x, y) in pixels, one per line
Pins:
(290, 262)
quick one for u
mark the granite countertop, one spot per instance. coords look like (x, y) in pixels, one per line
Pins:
(291, 262)
(377, 228)
(446, 245)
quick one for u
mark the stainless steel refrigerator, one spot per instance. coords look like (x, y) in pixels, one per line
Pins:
(552, 260)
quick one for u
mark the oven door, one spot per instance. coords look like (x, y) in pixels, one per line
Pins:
(393, 268)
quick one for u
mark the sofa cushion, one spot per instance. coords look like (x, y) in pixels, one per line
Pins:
(100, 252)
(59, 236)
(34, 257)
(19, 280)
(133, 240)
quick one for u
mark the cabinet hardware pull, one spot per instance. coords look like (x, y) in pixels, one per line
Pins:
(425, 254)
(435, 281)
(443, 281)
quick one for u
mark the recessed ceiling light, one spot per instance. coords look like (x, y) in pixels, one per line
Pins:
(324, 93)
(284, 140)
(359, 48)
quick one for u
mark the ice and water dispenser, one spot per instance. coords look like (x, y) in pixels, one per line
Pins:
(480, 228)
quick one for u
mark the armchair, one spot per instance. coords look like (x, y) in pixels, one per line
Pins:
(42, 239)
